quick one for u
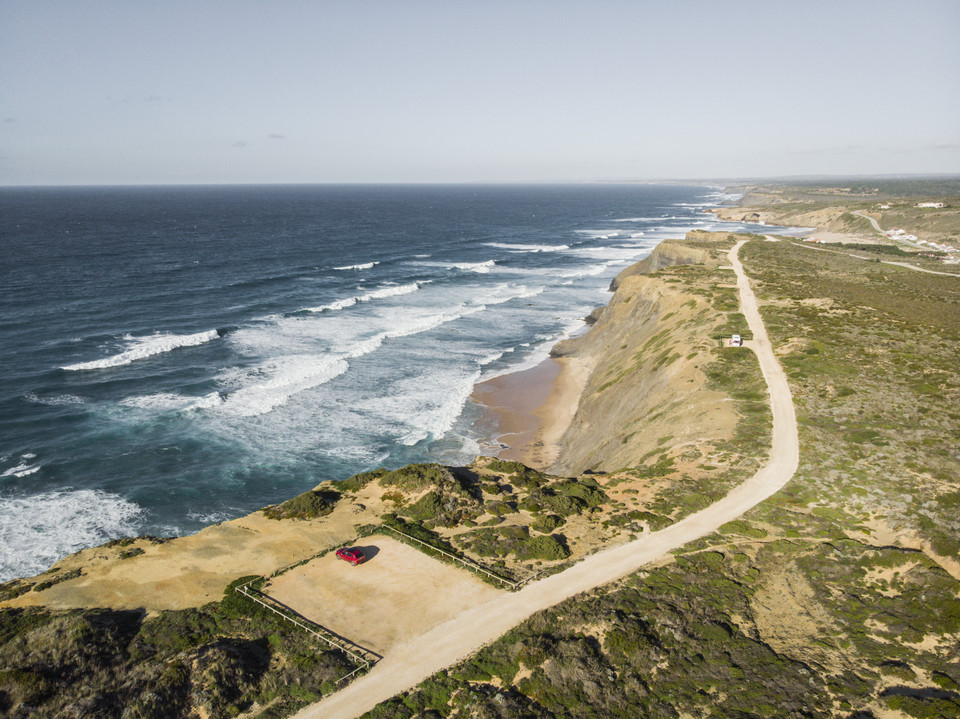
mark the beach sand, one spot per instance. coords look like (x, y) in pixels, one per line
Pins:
(531, 409)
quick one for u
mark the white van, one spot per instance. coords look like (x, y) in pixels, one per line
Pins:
(736, 341)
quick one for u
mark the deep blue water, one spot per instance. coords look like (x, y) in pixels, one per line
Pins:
(177, 356)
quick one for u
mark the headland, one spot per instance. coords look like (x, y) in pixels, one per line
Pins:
(837, 596)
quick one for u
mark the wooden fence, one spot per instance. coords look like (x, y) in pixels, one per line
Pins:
(364, 658)
(473, 566)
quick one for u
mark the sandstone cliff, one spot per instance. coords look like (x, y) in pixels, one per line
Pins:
(666, 254)
(646, 390)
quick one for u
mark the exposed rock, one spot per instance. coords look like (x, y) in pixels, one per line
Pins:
(665, 254)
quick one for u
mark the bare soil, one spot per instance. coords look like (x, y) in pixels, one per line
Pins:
(415, 660)
(397, 594)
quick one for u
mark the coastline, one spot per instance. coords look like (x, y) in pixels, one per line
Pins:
(531, 409)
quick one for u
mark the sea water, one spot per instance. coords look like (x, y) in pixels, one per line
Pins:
(177, 356)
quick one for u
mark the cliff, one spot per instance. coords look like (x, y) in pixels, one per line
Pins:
(649, 345)
(666, 254)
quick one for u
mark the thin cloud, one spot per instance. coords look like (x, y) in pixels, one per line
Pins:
(275, 136)
(842, 150)
(8, 120)
(241, 143)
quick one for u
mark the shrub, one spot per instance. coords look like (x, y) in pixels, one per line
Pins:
(359, 481)
(547, 523)
(414, 477)
(427, 507)
(548, 547)
(309, 505)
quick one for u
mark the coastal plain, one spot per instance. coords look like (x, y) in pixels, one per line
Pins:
(835, 597)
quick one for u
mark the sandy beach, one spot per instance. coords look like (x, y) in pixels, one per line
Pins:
(531, 409)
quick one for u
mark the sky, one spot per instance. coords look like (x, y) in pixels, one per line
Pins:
(289, 91)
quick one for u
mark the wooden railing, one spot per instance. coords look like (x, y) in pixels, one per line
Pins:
(461, 560)
(361, 656)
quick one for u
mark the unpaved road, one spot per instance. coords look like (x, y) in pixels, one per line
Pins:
(873, 222)
(409, 663)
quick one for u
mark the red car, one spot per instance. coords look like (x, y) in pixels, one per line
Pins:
(351, 554)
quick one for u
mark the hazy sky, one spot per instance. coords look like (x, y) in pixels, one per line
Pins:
(121, 92)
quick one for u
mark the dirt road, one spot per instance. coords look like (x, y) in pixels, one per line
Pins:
(410, 663)
(873, 222)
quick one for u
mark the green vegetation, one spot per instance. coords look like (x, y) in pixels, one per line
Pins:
(514, 540)
(838, 596)
(55, 576)
(454, 494)
(803, 607)
(309, 505)
(359, 481)
(220, 659)
(699, 638)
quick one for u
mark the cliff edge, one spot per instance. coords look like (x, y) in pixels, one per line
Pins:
(650, 344)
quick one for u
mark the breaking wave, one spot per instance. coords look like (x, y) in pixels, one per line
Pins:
(144, 347)
(363, 266)
(527, 248)
(379, 294)
(41, 529)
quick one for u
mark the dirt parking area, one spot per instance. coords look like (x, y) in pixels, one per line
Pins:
(397, 594)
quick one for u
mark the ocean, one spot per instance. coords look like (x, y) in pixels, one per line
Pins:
(174, 357)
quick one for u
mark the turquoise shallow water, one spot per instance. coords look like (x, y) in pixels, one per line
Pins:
(173, 357)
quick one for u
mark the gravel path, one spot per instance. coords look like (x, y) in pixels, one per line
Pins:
(410, 663)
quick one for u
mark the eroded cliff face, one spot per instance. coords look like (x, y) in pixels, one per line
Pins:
(666, 254)
(646, 391)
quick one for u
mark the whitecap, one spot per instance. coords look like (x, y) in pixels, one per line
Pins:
(54, 400)
(420, 410)
(381, 293)
(362, 266)
(287, 376)
(527, 248)
(23, 469)
(143, 347)
(334, 306)
(479, 267)
(38, 530)
(158, 401)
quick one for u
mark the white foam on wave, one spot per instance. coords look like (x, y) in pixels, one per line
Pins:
(335, 306)
(418, 410)
(505, 292)
(270, 384)
(378, 294)
(208, 401)
(23, 468)
(600, 234)
(478, 267)
(660, 218)
(38, 530)
(143, 347)
(527, 248)
(362, 266)
(287, 376)
(541, 349)
(172, 402)
(158, 401)
(54, 400)
(611, 252)
(593, 270)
